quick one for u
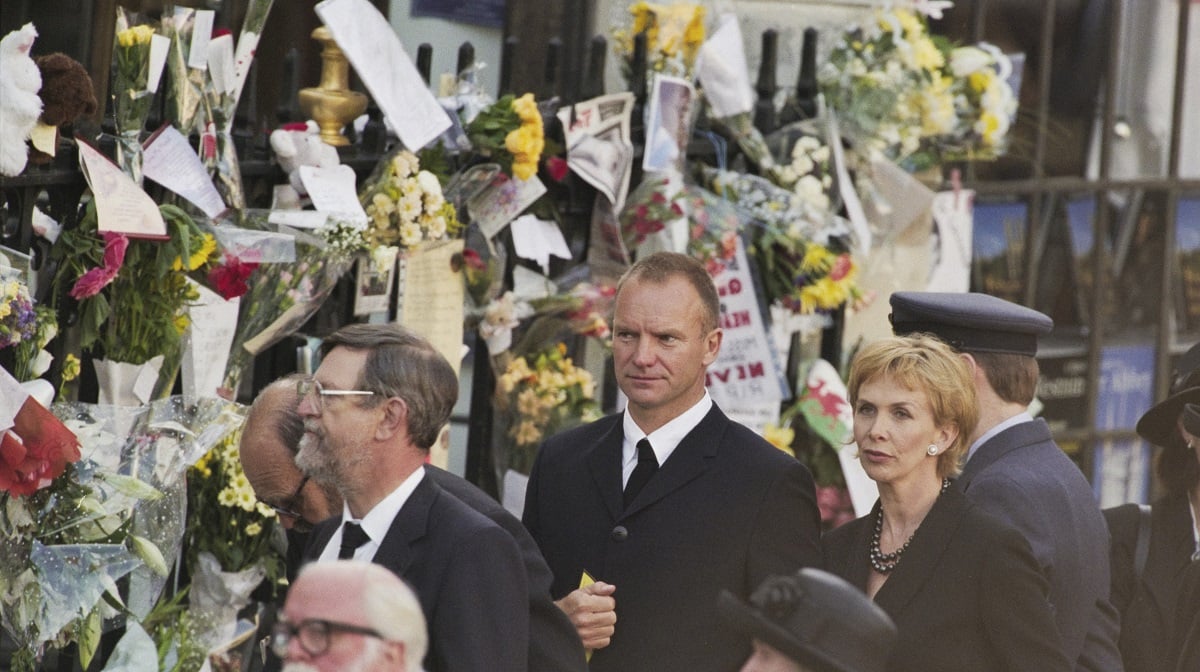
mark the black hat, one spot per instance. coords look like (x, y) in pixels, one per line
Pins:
(969, 321)
(1157, 425)
(817, 620)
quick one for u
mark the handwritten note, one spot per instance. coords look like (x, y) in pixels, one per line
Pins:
(168, 159)
(431, 296)
(332, 189)
(121, 205)
(371, 46)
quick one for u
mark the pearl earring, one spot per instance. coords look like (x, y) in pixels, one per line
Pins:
(932, 449)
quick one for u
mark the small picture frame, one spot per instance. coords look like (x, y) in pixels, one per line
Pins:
(373, 285)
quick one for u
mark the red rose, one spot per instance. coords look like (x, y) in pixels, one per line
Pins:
(36, 451)
(841, 267)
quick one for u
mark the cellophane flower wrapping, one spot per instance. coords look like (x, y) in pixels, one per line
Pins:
(674, 33)
(186, 92)
(914, 98)
(803, 251)
(666, 213)
(132, 98)
(116, 513)
(285, 291)
(235, 542)
(222, 89)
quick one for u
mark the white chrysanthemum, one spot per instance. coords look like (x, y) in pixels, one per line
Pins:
(408, 209)
(410, 234)
(966, 60)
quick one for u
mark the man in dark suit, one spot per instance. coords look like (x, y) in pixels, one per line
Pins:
(371, 413)
(1014, 469)
(725, 510)
(268, 450)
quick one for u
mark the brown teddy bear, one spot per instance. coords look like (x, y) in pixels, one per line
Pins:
(67, 94)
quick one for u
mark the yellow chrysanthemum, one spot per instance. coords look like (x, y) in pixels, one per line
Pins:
(817, 259)
(527, 433)
(70, 369)
(980, 80)
(926, 55)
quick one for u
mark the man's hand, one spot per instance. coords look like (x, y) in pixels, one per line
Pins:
(592, 611)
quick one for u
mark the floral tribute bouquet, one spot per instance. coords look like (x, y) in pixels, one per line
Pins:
(538, 395)
(132, 296)
(406, 205)
(510, 133)
(674, 34)
(222, 88)
(132, 97)
(915, 99)
(804, 252)
(234, 541)
(295, 272)
(18, 317)
(66, 533)
(662, 214)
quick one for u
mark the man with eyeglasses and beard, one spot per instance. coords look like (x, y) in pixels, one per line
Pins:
(350, 616)
(371, 412)
(269, 442)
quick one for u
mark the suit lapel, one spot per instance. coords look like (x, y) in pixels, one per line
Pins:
(395, 551)
(690, 459)
(923, 554)
(604, 463)
(1017, 436)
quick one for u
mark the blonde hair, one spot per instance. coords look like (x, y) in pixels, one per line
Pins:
(924, 364)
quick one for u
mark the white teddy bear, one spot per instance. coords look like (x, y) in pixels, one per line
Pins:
(298, 145)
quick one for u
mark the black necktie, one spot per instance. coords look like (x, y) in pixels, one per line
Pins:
(352, 537)
(646, 466)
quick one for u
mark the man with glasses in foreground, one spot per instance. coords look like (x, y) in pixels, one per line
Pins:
(350, 616)
(371, 412)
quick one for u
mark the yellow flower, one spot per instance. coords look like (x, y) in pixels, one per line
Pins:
(909, 22)
(70, 369)
(264, 510)
(780, 437)
(526, 109)
(208, 245)
(980, 80)
(181, 323)
(135, 35)
(926, 55)
(246, 500)
(253, 530)
(816, 258)
(989, 127)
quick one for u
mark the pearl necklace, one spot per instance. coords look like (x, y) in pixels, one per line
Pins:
(885, 563)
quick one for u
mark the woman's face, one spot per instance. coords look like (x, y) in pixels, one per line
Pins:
(894, 427)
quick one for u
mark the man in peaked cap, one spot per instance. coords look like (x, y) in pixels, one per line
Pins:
(811, 621)
(1016, 471)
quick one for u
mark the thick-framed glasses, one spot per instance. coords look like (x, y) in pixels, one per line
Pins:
(285, 509)
(310, 386)
(313, 634)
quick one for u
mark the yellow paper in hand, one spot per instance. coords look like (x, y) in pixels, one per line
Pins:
(584, 581)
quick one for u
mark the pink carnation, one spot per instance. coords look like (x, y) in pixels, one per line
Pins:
(96, 279)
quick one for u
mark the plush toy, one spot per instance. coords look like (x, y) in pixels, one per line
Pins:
(67, 95)
(296, 145)
(19, 102)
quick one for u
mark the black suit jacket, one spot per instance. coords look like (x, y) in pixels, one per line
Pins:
(724, 511)
(967, 594)
(1151, 635)
(1023, 478)
(554, 645)
(467, 573)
